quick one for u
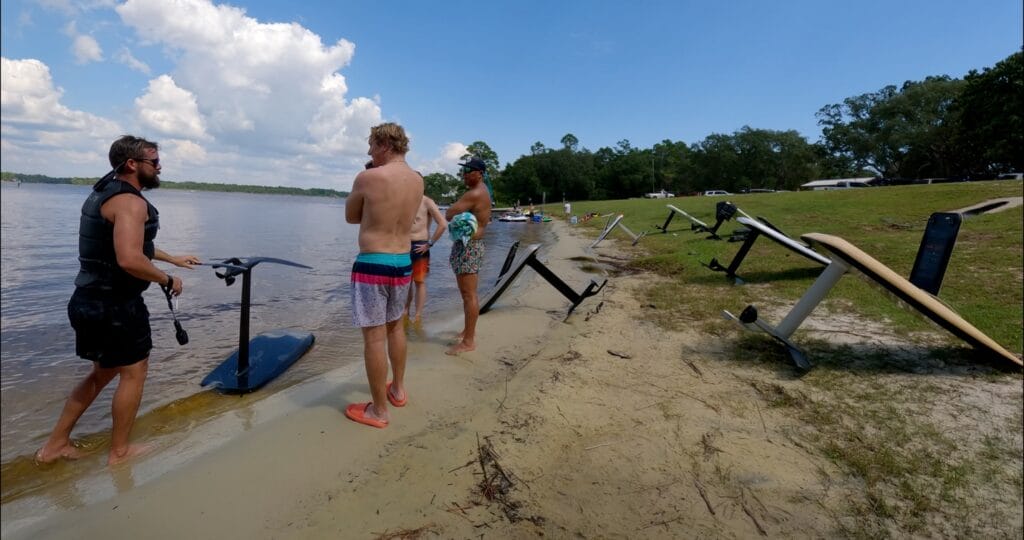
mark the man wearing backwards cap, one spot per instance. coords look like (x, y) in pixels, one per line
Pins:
(468, 255)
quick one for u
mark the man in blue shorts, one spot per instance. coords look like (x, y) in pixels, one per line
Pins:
(383, 201)
(111, 322)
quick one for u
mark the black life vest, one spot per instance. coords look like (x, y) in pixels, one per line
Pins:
(99, 271)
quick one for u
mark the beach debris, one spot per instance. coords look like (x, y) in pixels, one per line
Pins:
(496, 484)
(458, 511)
(408, 534)
(747, 511)
(627, 356)
(663, 522)
(595, 311)
(705, 402)
(570, 356)
(708, 442)
(695, 369)
(763, 425)
(703, 495)
(468, 463)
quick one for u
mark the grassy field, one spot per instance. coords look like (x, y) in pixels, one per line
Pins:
(930, 434)
(983, 281)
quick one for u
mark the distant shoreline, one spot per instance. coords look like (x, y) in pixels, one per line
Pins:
(196, 186)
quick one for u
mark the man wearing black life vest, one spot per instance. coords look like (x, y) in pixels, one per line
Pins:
(110, 319)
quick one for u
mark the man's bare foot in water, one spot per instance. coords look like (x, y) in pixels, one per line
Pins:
(460, 347)
(133, 451)
(47, 455)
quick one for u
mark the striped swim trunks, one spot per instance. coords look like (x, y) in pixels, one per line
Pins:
(380, 286)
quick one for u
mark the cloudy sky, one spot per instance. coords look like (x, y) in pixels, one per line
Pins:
(284, 93)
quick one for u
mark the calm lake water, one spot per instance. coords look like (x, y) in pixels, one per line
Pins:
(39, 250)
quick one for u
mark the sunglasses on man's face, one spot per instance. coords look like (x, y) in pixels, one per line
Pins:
(154, 162)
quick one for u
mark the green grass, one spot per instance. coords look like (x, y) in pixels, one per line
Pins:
(983, 282)
(917, 477)
(867, 409)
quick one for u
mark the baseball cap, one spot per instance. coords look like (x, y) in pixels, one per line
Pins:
(474, 164)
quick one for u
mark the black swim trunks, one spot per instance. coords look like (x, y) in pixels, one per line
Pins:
(114, 333)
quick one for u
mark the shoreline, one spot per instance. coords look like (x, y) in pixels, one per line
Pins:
(38, 372)
(605, 425)
(44, 510)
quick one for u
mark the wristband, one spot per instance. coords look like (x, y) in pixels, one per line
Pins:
(430, 243)
(170, 282)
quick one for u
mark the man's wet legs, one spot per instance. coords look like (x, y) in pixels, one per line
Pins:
(417, 294)
(125, 406)
(471, 311)
(59, 445)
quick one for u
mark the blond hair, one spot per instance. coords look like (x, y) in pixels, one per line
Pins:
(391, 135)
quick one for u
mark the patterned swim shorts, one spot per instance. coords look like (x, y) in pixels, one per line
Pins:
(380, 287)
(467, 258)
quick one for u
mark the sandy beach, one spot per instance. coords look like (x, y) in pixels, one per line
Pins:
(604, 425)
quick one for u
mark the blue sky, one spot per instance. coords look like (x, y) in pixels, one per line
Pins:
(284, 93)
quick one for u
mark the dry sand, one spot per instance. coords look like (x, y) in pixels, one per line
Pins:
(601, 426)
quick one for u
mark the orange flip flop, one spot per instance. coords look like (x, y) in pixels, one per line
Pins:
(357, 413)
(393, 400)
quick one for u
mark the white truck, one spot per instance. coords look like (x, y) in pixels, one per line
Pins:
(659, 195)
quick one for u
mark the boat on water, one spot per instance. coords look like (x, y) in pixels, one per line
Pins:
(514, 217)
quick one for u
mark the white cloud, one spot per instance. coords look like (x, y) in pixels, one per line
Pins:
(446, 162)
(244, 101)
(170, 110)
(267, 88)
(125, 57)
(86, 49)
(184, 151)
(41, 133)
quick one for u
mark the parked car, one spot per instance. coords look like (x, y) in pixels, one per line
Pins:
(1011, 176)
(715, 193)
(851, 184)
(659, 195)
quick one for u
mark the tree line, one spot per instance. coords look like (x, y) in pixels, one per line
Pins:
(195, 186)
(941, 127)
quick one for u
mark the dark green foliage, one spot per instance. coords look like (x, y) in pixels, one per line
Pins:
(988, 115)
(442, 187)
(936, 128)
(905, 133)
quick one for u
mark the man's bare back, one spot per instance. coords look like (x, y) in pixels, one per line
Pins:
(384, 201)
(427, 213)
